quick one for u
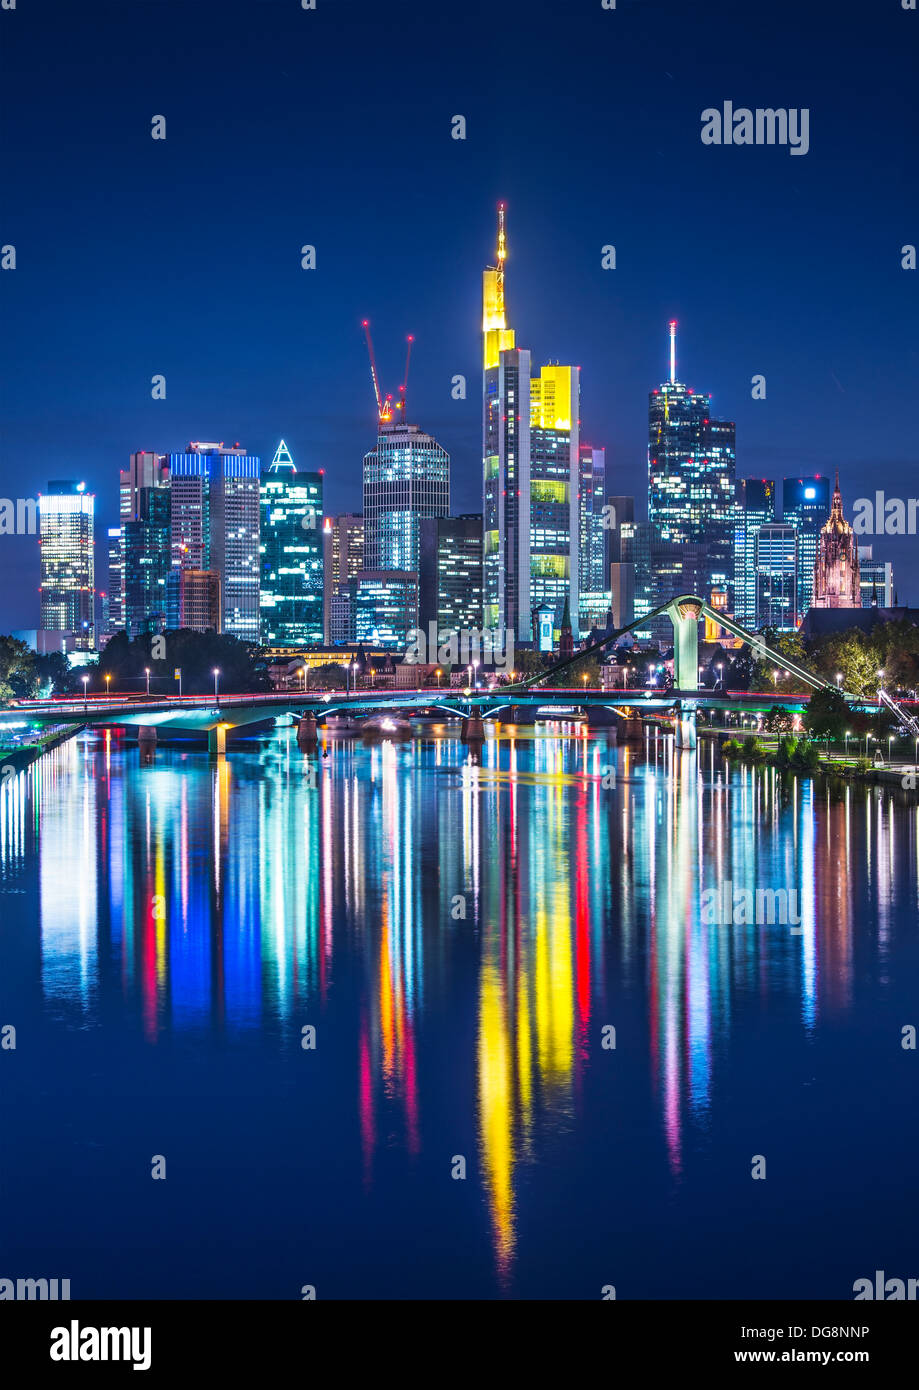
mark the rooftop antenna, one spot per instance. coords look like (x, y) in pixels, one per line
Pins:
(672, 351)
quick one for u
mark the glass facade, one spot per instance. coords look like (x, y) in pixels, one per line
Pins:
(806, 506)
(215, 525)
(691, 462)
(147, 562)
(68, 582)
(385, 607)
(593, 560)
(406, 477)
(291, 588)
(755, 508)
(450, 573)
(777, 569)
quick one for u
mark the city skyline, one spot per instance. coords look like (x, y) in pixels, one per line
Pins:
(254, 348)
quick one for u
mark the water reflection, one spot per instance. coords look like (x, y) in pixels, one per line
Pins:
(273, 887)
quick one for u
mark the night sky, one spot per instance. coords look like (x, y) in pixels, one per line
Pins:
(332, 127)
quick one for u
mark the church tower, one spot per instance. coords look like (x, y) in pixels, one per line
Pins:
(837, 583)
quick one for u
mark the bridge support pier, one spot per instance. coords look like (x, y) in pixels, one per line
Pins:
(217, 741)
(307, 729)
(473, 730)
(684, 728)
(146, 742)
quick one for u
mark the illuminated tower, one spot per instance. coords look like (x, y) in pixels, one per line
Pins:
(837, 582)
(691, 461)
(406, 477)
(68, 587)
(755, 499)
(215, 526)
(290, 591)
(805, 504)
(530, 439)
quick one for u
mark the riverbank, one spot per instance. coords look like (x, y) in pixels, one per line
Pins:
(24, 754)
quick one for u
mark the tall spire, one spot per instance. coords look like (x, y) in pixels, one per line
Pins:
(672, 351)
(502, 254)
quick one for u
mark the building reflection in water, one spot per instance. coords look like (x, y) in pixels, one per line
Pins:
(253, 892)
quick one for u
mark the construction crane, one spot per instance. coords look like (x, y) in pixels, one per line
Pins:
(384, 407)
(385, 403)
(404, 387)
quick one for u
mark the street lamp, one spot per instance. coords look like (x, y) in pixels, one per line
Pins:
(890, 738)
(147, 674)
(108, 683)
(438, 675)
(216, 686)
(475, 675)
(85, 680)
(838, 680)
(720, 676)
(848, 736)
(775, 678)
(303, 679)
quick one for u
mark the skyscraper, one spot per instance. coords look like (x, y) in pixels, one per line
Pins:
(115, 557)
(775, 567)
(147, 561)
(406, 477)
(343, 556)
(450, 573)
(837, 582)
(291, 590)
(593, 557)
(755, 498)
(876, 579)
(215, 525)
(530, 449)
(691, 461)
(68, 586)
(805, 505)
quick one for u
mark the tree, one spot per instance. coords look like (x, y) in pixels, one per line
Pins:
(778, 720)
(241, 664)
(827, 714)
(18, 677)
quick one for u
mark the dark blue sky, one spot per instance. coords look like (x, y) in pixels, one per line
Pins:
(332, 127)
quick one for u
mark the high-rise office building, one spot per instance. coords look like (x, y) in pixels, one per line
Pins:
(215, 525)
(291, 589)
(343, 556)
(593, 533)
(620, 509)
(450, 573)
(385, 606)
(806, 505)
(775, 563)
(144, 470)
(147, 561)
(68, 584)
(876, 579)
(691, 462)
(755, 498)
(406, 477)
(530, 450)
(193, 600)
(114, 621)
(837, 582)
(554, 506)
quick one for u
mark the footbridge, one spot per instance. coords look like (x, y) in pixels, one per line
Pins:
(544, 692)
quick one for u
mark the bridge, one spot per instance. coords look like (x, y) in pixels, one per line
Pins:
(214, 715)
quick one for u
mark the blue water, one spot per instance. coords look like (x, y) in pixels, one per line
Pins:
(168, 930)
